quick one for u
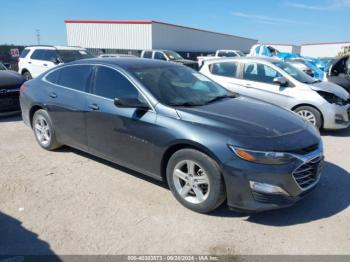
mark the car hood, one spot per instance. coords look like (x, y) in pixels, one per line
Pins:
(331, 88)
(184, 61)
(245, 117)
(254, 124)
(10, 78)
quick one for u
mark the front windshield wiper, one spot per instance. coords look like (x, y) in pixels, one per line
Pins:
(186, 104)
(220, 98)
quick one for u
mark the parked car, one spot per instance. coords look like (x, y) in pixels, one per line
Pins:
(3, 67)
(339, 72)
(10, 82)
(35, 60)
(167, 55)
(324, 104)
(220, 53)
(174, 124)
(115, 55)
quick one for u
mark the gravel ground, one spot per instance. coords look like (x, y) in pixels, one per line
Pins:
(67, 202)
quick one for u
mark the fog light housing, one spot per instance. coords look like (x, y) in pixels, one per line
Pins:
(267, 188)
(339, 118)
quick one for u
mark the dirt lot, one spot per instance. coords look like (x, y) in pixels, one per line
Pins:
(67, 202)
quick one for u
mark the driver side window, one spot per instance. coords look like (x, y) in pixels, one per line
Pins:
(159, 56)
(111, 84)
(259, 73)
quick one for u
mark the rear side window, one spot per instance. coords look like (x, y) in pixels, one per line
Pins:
(224, 69)
(46, 55)
(24, 53)
(147, 54)
(53, 77)
(75, 77)
(111, 84)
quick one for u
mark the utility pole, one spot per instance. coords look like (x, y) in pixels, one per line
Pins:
(38, 36)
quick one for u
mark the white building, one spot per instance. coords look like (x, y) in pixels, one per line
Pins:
(134, 36)
(323, 49)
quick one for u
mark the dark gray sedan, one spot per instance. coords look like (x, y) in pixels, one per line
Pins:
(174, 124)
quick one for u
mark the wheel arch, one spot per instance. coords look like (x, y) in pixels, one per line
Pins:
(179, 145)
(306, 104)
(32, 111)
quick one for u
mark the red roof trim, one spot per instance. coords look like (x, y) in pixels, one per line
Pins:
(146, 22)
(108, 22)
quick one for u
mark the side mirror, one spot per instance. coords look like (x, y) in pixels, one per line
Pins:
(56, 61)
(125, 102)
(282, 81)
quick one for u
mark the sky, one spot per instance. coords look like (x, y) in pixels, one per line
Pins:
(269, 21)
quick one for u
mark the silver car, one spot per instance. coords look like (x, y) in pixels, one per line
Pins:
(324, 104)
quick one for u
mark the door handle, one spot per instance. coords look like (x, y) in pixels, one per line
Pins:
(53, 95)
(248, 85)
(29, 62)
(44, 64)
(94, 107)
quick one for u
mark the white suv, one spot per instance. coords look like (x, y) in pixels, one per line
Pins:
(35, 60)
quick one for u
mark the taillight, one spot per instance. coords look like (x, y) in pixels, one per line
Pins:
(22, 89)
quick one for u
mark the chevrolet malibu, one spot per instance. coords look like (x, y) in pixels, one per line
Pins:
(172, 123)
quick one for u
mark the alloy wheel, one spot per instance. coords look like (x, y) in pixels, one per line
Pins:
(307, 115)
(191, 181)
(42, 130)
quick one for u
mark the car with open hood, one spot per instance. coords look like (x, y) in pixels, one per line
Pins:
(324, 104)
(338, 72)
(176, 125)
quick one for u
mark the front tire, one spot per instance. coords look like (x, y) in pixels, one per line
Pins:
(27, 76)
(195, 180)
(310, 114)
(44, 131)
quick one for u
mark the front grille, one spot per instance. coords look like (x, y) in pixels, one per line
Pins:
(307, 174)
(305, 150)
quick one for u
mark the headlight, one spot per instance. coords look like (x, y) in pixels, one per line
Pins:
(261, 157)
(332, 98)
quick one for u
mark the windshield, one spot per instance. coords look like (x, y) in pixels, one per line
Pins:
(179, 86)
(295, 73)
(73, 55)
(172, 55)
(2, 67)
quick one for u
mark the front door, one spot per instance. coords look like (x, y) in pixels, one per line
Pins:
(257, 81)
(122, 135)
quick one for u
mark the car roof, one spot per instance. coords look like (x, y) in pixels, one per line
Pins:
(244, 58)
(51, 47)
(125, 62)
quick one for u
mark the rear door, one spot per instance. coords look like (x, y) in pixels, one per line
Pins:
(67, 103)
(41, 61)
(122, 135)
(257, 82)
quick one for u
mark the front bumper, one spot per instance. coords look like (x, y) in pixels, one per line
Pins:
(336, 117)
(239, 173)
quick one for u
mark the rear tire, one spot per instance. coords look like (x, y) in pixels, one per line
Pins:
(195, 180)
(44, 131)
(310, 114)
(27, 76)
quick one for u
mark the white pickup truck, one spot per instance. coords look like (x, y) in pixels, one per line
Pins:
(220, 53)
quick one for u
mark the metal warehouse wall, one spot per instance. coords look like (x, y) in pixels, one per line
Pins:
(323, 49)
(191, 40)
(109, 35)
